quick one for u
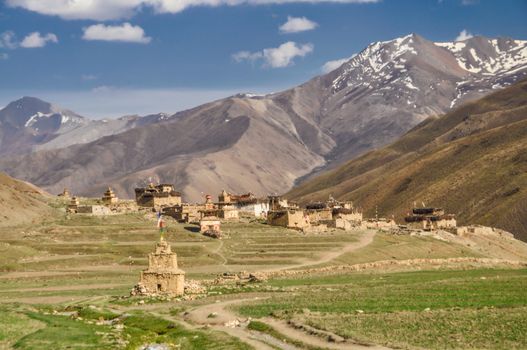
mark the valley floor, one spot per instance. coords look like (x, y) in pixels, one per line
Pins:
(64, 284)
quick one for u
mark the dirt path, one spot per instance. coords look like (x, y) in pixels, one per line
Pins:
(363, 241)
(287, 330)
(224, 320)
(219, 316)
(218, 252)
(237, 332)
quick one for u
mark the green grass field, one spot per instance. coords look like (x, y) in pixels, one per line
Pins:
(430, 309)
(63, 280)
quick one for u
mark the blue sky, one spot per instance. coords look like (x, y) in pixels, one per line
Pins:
(118, 57)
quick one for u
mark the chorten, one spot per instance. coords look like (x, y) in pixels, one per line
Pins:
(109, 197)
(162, 277)
(74, 205)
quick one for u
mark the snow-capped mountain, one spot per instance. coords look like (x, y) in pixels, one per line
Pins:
(391, 86)
(266, 144)
(30, 124)
(39, 116)
(476, 65)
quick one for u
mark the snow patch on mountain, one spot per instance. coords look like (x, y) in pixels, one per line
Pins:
(35, 117)
(496, 59)
(487, 62)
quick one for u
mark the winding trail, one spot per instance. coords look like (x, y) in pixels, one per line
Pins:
(326, 257)
(219, 316)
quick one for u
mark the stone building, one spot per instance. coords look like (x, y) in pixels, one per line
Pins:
(228, 213)
(227, 209)
(210, 226)
(335, 214)
(318, 212)
(186, 213)
(288, 217)
(162, 277)
(73, 205)
(430, 219)
(158, 196)
(247, 203)
(109, 197)
(348, 214)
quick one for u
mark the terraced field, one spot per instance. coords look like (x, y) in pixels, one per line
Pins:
(64, 283)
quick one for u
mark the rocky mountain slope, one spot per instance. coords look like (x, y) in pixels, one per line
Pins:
(20, 202)
(264, 144)
(30, 124)
(471, 161)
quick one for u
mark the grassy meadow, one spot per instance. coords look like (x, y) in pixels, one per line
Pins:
(64, 284)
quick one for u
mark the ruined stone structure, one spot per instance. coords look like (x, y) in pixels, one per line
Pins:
(482, 231)
(430, 219)
(158, 196)
(162, 277)
(379, 223)
(109, 197)
(348, 214)
(65, 194)
(124, 206)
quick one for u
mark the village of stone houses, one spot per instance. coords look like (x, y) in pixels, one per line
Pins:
(263, 174)
(238, 271)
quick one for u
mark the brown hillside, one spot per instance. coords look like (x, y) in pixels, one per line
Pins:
(472, 161)
(20, 202)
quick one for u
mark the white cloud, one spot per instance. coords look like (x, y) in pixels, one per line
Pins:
(8, 40)
(247, 56)
(35, 39)
(297, 24)
(283, 55)
(103, 10)
(125, 32)
(332, 65)
(278, 57)
(463, 35)
(3, 56)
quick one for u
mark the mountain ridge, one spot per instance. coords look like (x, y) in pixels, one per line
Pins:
(368, 102)
(472, 161)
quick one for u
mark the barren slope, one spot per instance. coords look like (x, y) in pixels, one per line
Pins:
(225, 144)
(472, 161)
(20, 202)
(266, 144)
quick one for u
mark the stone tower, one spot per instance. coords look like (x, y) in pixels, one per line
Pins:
(162, 277)
(109, 197)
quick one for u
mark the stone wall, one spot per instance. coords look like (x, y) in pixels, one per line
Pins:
(290, 218)
(93, 210)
